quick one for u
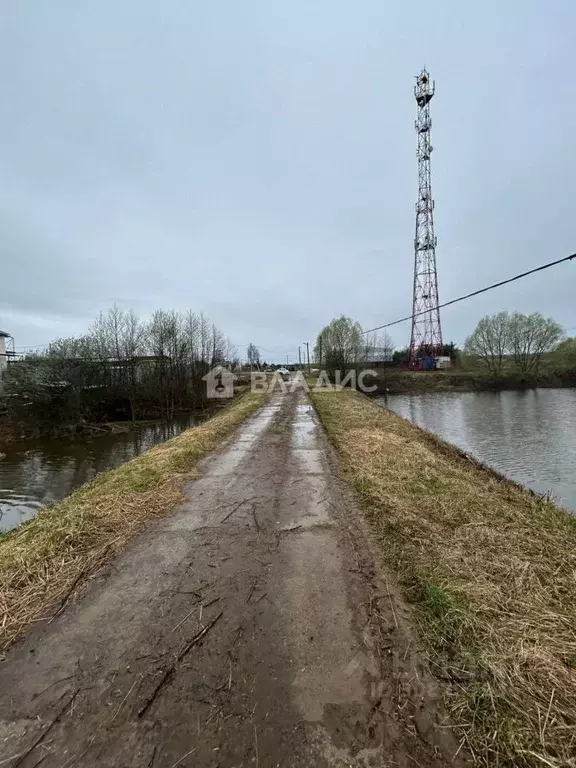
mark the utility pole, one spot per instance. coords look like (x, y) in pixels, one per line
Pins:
(299, 359)
(426, 336)
(307, 353)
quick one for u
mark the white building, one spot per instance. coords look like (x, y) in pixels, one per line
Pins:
(3, 355)
(443, 361)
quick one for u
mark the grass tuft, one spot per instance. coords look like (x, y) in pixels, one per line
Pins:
(491, 569)
(44, 558)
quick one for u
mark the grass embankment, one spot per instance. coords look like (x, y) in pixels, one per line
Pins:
(491, 569)
(397, 381)
(42, 561)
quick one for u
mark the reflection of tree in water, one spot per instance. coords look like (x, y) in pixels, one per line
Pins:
(33, 477)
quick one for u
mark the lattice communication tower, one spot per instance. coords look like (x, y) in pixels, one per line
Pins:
(426, 338)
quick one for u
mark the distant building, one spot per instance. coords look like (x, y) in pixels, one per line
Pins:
(376, 355)
(443, 361)
(3, 353)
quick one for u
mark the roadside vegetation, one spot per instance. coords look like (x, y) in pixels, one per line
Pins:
(122, 369)
(513, 341)
(518, 351)
(43, 561)
(471, 378)
(490, 569)
(344, 344)
(505, 351)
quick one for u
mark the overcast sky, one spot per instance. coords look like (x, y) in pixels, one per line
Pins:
(255, 159)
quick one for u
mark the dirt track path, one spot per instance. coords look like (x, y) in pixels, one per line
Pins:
(250, 628)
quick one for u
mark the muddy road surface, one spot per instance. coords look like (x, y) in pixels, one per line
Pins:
(252, 627)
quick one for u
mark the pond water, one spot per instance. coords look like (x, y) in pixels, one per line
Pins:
(35, 473)
(529, 436)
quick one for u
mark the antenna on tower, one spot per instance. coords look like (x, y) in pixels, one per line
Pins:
(426, 338)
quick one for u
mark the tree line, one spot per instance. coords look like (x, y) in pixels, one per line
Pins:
(502, 343)
(517, 342)
(343, 343)
(122, 368)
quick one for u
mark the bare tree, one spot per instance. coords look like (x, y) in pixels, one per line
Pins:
(123, 363)
(229, 352)
(490, 341)
(521, 339)
(378, 347)
(340, 344)
(531, 337)
(253, 355)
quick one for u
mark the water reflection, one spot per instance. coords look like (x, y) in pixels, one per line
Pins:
(529, 436)
(36, 473)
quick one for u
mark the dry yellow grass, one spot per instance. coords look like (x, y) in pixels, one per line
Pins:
(491, 569)
(43, 560)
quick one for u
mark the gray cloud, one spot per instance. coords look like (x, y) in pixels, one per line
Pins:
(257, 161)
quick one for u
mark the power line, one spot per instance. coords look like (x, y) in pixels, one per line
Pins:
(474, 293)
(410, 317)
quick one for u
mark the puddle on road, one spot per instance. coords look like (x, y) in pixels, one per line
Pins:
(309, 506)
(309, 459)
(304, 435)
(228, 461)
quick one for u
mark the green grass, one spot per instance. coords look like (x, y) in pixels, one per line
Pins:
(43, 558)
(491, 571)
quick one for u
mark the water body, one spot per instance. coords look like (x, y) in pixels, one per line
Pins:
(36, 473)
(528, 436)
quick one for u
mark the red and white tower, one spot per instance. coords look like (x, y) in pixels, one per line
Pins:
(426, 339)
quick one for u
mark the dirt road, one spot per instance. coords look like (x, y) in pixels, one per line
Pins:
(250, 628)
